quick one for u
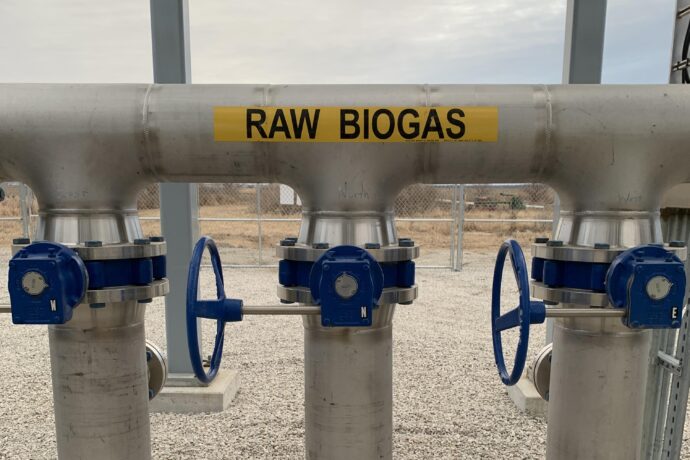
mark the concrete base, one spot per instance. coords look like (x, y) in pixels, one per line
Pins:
(526, 398)
(194, 399)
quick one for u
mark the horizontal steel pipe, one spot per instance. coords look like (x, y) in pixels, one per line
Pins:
(601, 147)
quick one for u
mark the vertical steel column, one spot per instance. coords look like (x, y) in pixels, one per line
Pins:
(179, 202)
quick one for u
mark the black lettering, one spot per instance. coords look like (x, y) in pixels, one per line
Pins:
(375, 124)
(345, 122)
(366, 123)
(435, 127)
(412, 124)
(456, 121)
(255, 123)
(279, 125)
(304, 119)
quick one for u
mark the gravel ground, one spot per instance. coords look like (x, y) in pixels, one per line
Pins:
(449, 402)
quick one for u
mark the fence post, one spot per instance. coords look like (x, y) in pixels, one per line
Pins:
(258, 221)
(25, 209)
(453, 224)
(459, 226)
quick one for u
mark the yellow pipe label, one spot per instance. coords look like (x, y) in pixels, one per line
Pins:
(355, 124)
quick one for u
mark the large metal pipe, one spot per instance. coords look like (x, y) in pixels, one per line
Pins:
(601, 147)
(99, 372)
(599, 367)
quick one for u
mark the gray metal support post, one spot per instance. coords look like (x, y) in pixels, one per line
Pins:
(584, 41)
(179, 202)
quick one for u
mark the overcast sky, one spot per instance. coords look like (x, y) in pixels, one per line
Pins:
(328, 41)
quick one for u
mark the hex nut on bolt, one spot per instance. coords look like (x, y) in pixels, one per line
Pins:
(93, 244)
(21, 241)
(142, 241)
(541, 240)
(287, 242)
(157, 239)
(677, 244)
(554, 243)
(372, 246)
(602, 246)
(405, 243)
(320, 245)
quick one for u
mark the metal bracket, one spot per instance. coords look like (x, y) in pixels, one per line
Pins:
(670, 363)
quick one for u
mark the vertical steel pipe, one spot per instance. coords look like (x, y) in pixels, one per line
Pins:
(98, 360)
(348, 372)
(599, 367)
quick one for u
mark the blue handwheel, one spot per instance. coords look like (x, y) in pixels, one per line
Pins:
(527, 312)
(221, 309)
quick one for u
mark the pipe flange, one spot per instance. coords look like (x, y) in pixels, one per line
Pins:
(386, 254)
(157, 369)
(569, 295)
(390, 295)
(592, 255)
(106, 295)
(540, 371)
(118, 251)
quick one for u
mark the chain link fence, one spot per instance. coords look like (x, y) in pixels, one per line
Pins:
(248, 220)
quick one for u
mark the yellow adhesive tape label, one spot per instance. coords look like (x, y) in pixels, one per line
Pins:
(355, 124)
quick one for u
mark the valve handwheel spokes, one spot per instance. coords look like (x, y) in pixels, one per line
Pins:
(221, 309)
(527, 312)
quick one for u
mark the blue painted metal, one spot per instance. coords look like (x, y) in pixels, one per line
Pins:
(626, 286)
(527, 312)
(66, 282)
(574, 275)
(357, 263)
(293, 273)
(221, 309)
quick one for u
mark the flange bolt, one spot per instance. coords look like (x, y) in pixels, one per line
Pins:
(320, 245)
(287, 242)
(677, 244)
(405, 242)
(21, 241)
(157, 239)
(93, 244)
(372, 246)
(602, 246)
(541, 240)
(142, 241)
(554, 243)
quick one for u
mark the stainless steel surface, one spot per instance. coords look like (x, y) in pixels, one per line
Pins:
(348, 389)
(567, 295)
(121, 251)
(112, 251)
(565, 136)
(382, 255)
(100, 383)
(389, 295)
(554, 312)
(599, 366)
(540, 371)
(157, 369)
(118, 294)
(348, 375)
(589, 254)
(280, 310)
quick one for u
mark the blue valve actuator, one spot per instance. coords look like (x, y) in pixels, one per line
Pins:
(649, 282)
(347, 282)
(46, 281)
